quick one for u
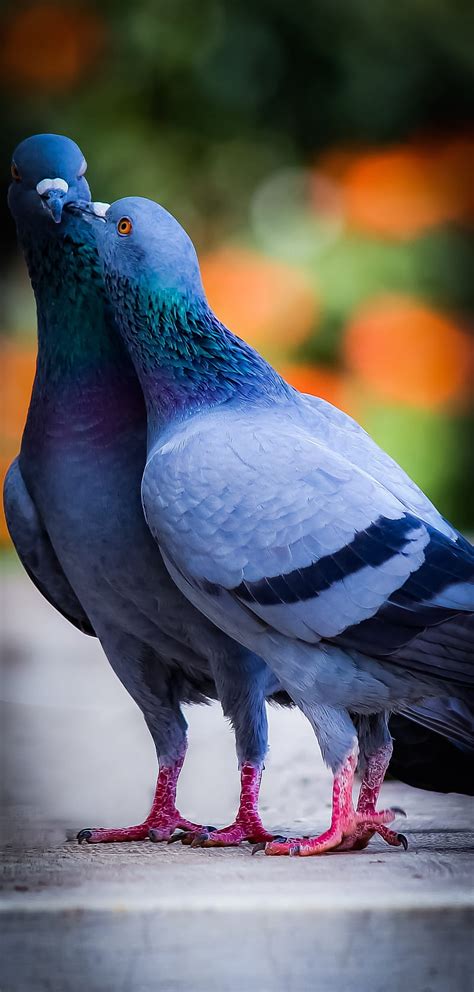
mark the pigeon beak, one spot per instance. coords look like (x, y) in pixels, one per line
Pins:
(53, 194)
(54, 202)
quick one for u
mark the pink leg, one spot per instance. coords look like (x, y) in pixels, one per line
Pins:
(344, 822)
(372, 782)
(247, 824)
(161, 821)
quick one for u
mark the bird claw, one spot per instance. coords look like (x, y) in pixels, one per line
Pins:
(403, 841)
(84, 835)
(178, 835)
(190, 838)
(398, 811)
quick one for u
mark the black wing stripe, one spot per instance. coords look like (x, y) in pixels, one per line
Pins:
(374, 546)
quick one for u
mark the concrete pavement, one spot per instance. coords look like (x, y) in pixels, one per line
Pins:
(146, 917)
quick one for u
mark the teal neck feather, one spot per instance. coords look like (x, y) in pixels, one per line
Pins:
(185, 358)
(76, 336)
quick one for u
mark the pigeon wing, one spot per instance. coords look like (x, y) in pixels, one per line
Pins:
(36, 552)
(254, 504)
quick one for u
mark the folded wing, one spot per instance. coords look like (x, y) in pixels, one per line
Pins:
(314, 545)
(36, 552)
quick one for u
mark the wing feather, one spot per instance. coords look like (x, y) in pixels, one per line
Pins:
(314, 545)
(36, 552)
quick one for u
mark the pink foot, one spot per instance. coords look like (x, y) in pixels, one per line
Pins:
(247, 824)
(349, 828)
(229, 836)
(364, 833)
(162, 820)
(166, 828)
(344, 834)
(374, 775)
(102, 835)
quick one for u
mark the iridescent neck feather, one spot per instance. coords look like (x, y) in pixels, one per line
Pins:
(185, 357)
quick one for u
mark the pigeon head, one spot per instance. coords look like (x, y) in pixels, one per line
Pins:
(48, 173)
(184, 356)
(145, 245)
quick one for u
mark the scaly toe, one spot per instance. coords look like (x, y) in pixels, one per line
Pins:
(392, 838)
(372, 819)
(263, 844)
(360, 839)
(187, 836)
(194, 838)
(232, 836)
(282, 847)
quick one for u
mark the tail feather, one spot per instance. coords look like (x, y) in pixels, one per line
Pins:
(453, 718)
(445, 651)
(426, 759)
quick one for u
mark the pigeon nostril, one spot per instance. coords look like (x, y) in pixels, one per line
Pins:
(53, 200)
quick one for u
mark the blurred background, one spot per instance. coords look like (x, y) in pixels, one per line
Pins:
(322, 157)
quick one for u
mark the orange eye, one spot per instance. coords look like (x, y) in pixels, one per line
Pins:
(15, 174)
(124, 226)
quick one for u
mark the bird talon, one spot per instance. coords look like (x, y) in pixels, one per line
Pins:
(178, 835)
(398, 811)
(403, 841)
(187, 836)
(259, 847)
(84, 835)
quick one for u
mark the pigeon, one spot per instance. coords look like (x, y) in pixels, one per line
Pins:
(286, 525)
(73, 507)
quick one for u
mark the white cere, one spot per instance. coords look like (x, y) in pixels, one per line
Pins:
(48, 184)
(100, 209)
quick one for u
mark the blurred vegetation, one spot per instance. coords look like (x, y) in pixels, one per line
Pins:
(320, 154)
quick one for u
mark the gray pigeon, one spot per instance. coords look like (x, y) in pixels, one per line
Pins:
(72, 502)
(285, 524)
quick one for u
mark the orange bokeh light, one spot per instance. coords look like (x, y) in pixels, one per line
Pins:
(5, 462)
(49, 45)
(269, 304)
(410, 353)
(401, 191)
(18, 369)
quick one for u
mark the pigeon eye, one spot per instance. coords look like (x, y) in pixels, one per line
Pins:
(124, 226)
(15, 173)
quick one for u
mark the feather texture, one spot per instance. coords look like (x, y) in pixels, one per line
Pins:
(276, 514)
